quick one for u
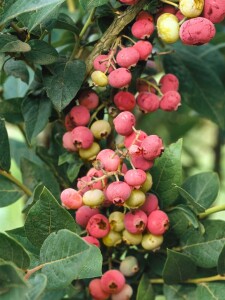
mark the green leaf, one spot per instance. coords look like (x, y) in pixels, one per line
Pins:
(190, 216)
(166, 173)
(9, 192)
(22, 6)
(38, 285)
(11, 250)
(36, 112)
(205, 248)
(180, 292)
(5, 161)
(66, 80)
(203, 188)
(210, 291)
(200, 86)
(92, 3)
(12, 285)
(10, 109)
(9, 43)
(34, 174)
(41, 53)
(34, 198)
(65, 22)
(178, 267)
(67, 257)
(221, 262)
(45, 217)
(145, 290)
(18, 69)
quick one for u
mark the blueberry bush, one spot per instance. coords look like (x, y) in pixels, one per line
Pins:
(103, 93)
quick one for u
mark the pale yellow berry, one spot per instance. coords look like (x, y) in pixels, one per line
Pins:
(112, 239)
(90, 153)
(168, 28)
(116, 221)
(151, 242)
(191, 8)
(146, 186)
(99, 78)
(93, 198)
(131, 239)
(100, 129)
(136, 199)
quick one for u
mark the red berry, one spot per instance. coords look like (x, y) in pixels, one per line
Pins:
(142, 28)
(71, 199)
(118, 192)
(148, 102)
(98, 226)
(169, 82)
(129, 2)
(143, 86)
(135, 138)
(127, 57)
(158, 222)
(144, 15)
(120, 78)
(214, 10)
(68, 142)
(135, 178)
(96, 290)
(108, 159)
(94, 173)
(124, 100)
(170, 101)
(125, 294)
(136, 221)
(83, 184)
(152, 147)
(82, 137)
(112, 281)
(144, 49)
(151, 204)
(68, 123)
(140, 162)
(91, 240)
(84, 213)
(101, 63)
(124, 123)
(89, 99)
(80, 115)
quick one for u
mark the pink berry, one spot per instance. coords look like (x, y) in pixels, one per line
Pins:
(108, 159)
(98, 226)
(142, 28)
(151, 204)
(135, 178)
(80, 115)
(144, 49)
(124, 123)
(118, 192)
(135, 150)
(94, 173)
(197, 31)
(129, 2)
(96, 290)
(179, 15)
(124, 100)
(170, 101)
(101, 63)
(127, 57)
(68, 123)
(68, 142)
(152, 147)
(125, 294)
(83, 184)
(71, 199)
(91, 240)
(82, 137)
(112, 281)
(135, 138)
(148, 102)
(89, 99)
(166, 9)
(214, 10)
(120, 78)
(143, 14)
(158, 222)
(84, 213)
(136, 221)
(169, 82)
(143, 86)
(140, 162)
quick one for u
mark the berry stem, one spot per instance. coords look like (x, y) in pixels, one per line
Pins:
(211, 210)
(17, 182)
(153, 85)
(71, 6)
(194, 280)
(31, 271)
(128, 38)
(170, 3)
(100, 107)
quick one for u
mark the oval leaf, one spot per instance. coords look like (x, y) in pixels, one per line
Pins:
(145, 290)
(9, 192)
(17, 68)
(210, 291)
(5, 160)
(38, 285)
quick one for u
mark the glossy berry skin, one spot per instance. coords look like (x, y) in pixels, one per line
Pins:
(142, 28)
(118, 192)
(68, 142)
(90, 153)
(93, 198)
(116, 221)
(99, 78)
(147, 185)
(197, 31)
(112, 281)
(168, 28)
(96, 290)
(71, 199)
(89, 99)
(130, 238)
(84, 213)
(101, 129)
(135, 178)
(144, 49)
(151, 204)
(169, 82)
(170, 101)
(108, 159)
(125, 294)
(152, 147)
(148, 102)
(136, 221)
(135, 138)
(127, 57)
(101, 63)
(129, 266)
(158, 222)
(136, 199)
(82, 137)
(91, 240)
(124, 101)
(80, 115)
(98, 226)
(120, 78)
(124, 123)
(112, 239)
(151, 242)
(214, 10)
(191, 8)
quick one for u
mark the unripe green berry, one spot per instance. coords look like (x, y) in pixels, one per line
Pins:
(100, 129)
(168, 28)
(93, 198)
(131, 239)
(116, 221)
(90, 153)
(147, 185)
(129, 266)
(112, 239)
(136, 199)
(151, 242)
(99, 78)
